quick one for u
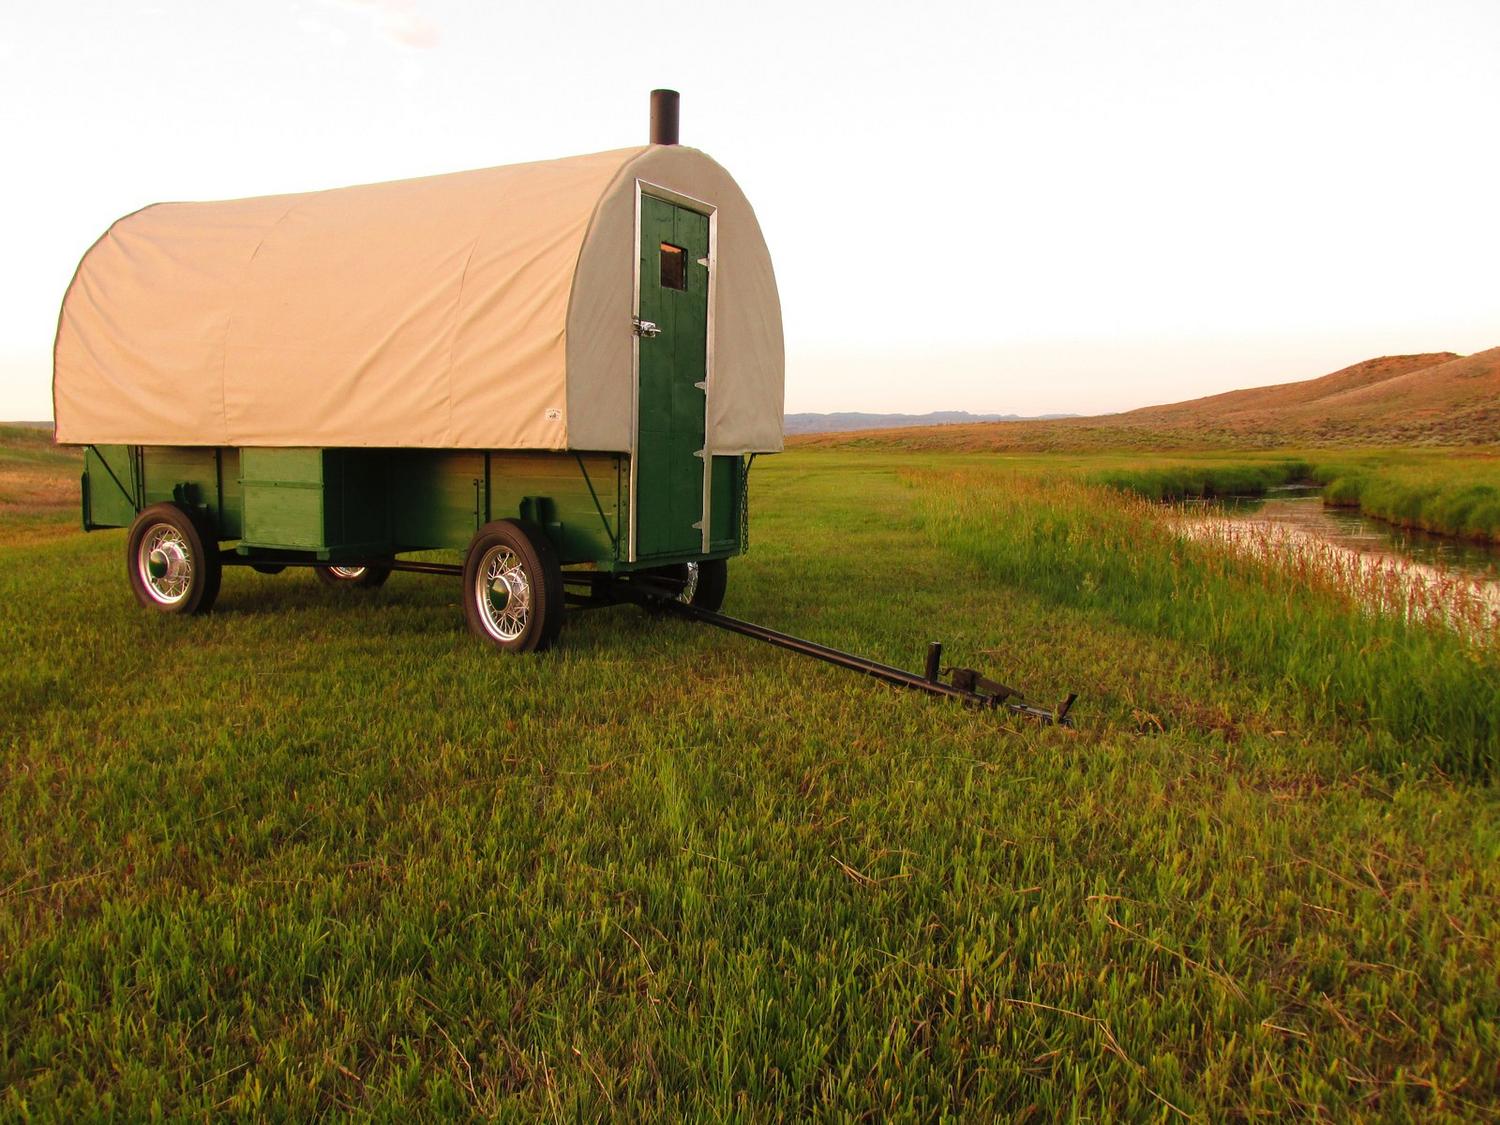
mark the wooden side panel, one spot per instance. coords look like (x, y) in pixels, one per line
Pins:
(231, 500)
(578, 530)
(283, 497)
(436, 497)
(439, 499)
(356, 507)
(724, 504)
(109, 487)
(203, 478)
(362, 502)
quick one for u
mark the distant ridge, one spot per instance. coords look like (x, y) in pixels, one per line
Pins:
(1437, 398)
(845, 421)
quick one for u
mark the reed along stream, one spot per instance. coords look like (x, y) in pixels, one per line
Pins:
(1300, 508)
(1415, 574)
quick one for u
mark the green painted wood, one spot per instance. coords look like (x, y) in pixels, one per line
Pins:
(670, 407)
(109, 487)
(231, 513)
(356, 513)
(283, 493)
(201, 477)
(352, 503)
(316, 499)
(724, 504)
(433, 498)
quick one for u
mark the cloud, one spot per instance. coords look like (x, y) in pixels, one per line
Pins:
(401, 22)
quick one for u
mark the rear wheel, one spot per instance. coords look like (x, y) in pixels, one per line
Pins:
(366, 577)
(513, 591)
(699, 584)
(172, 561)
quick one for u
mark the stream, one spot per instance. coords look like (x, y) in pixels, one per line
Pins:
(1300, 508)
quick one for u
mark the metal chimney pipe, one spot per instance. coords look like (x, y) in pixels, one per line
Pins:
(664, 117)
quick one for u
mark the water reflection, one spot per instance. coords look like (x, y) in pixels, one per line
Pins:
(1301, 508)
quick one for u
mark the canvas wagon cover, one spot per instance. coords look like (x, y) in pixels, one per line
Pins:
(486, 309)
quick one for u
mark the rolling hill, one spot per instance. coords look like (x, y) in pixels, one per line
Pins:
(1437, 398)
(842, 421)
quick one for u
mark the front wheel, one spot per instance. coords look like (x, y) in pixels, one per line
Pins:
(366, 577)
(513, 589)
(172, 561)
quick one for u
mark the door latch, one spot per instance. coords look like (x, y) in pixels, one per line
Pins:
(645, 328)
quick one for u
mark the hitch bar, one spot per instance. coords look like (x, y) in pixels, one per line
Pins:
(965, 685)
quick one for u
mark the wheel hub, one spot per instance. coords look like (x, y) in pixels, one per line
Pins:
(165, 564)
(504, 594)
(507, 589)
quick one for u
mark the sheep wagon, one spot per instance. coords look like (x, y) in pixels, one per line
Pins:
(569, 363)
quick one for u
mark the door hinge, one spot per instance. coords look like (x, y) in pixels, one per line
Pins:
(645, 328)
(702, 386)
(698, 526)
(706, 263)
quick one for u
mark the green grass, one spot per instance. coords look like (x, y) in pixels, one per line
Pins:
(319, 854)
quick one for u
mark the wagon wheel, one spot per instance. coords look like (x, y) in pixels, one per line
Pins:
(513, 591)
(172, 561)
(366, 577)
(703, 584)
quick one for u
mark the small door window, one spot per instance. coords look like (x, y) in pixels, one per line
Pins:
(673, 266)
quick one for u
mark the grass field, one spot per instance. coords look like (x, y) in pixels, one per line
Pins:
(1448, 490)
(324, 854)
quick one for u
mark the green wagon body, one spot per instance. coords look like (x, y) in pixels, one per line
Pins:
(348, 506)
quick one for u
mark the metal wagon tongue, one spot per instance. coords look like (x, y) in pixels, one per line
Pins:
(965, 685)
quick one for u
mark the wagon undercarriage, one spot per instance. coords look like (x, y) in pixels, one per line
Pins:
(675, 593)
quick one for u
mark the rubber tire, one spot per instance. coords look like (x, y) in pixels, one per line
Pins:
(372, 579)
(713, 581)
(543, 572)
(203, 550)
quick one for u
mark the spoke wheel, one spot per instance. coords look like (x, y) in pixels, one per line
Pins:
(513, 596)
(702, 584)
(171, 561)
(366, 577)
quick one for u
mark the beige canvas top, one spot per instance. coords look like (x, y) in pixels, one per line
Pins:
(484, 310)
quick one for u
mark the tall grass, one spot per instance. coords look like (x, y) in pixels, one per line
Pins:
(1417, 693)
(1464, 508)
(1203, 481)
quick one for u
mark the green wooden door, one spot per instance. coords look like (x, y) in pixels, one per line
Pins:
(669, 471)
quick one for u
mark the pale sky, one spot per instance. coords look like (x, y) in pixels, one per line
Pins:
(1021, 207)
